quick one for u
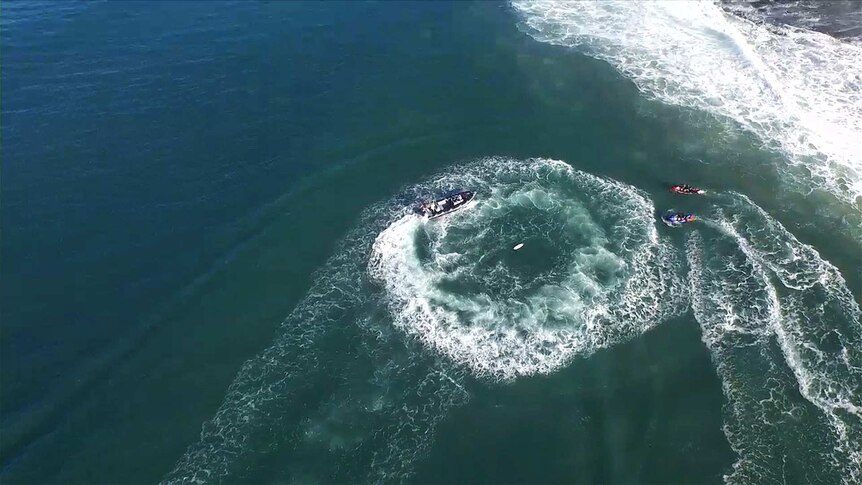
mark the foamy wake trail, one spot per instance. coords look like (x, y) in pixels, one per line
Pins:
(336, 398)
(593, 271)
(800, 91)
(343, 396)
(785, 335)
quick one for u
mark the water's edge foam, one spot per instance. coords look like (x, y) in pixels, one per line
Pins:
(800, 91)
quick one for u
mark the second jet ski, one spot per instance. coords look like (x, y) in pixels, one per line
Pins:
(676, 219)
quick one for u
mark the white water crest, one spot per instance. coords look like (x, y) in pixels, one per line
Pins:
(593, 272)
(799, 90)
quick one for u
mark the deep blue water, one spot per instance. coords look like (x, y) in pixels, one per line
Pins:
(141, 140)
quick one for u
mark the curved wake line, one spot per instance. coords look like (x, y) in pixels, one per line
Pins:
(802, 303)
(342, 395)
(610, 279)
(338, 395)
(799, 90)
(371, 410)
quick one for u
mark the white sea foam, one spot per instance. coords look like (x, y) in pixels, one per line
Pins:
(800, 91)
(454, 286)
(780, 323)
(338, 394)
(342, 394)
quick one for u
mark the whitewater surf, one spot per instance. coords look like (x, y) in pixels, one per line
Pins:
(799, 90)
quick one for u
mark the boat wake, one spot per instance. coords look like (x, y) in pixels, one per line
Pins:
(338, 397)
(410, 313)
(598, 272)
(784, 332)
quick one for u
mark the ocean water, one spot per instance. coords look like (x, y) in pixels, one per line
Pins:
(211, 273)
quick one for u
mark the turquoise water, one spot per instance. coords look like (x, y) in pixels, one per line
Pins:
(209, 271)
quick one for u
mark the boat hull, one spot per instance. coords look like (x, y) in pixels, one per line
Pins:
(446, 205)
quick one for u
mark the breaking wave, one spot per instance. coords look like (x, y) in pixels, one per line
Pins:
(800, 91)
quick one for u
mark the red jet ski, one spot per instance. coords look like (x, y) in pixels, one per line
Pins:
(687, 190)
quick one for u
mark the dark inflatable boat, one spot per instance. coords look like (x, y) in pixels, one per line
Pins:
(444, 206)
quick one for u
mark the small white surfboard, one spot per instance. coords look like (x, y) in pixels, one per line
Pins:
(518, 246)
